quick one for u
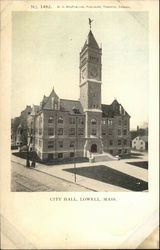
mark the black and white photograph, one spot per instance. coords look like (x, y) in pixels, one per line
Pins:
(79, 124)
(79, 101)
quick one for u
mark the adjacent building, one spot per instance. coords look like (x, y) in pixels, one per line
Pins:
(140, 143)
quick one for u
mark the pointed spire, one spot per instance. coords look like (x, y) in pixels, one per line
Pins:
(92, 41)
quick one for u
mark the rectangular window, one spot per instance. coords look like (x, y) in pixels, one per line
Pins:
(72, 131)
(119, 151)
(119, 142)
(125, 142)
(72, 144)
(119, 131)
(103, 132)
(110, 142)
(71, 154)
(60, 155)
(125, 132)
(110, 122)
(50, 131)
(119, 122)
(50, 144)
(60, 143)
(60, 131)
(125, 122)
(40, 131)
(80, 131)
(72, 120)
(110, 131)
(94, 132)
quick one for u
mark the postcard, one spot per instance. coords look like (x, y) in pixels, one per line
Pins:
(79, 124)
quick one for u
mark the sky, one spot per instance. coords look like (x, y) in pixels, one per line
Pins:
(45, 54)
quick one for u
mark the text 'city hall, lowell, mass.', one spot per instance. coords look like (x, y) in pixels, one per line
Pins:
(85, 128)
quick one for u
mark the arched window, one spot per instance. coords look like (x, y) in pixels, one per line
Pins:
(50, 120)
(93, 121)
(60, 120)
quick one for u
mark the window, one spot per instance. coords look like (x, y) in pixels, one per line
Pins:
(110, 122)
(119, 122)
(111, 152)
(72, 131)
(50, 144)
(134, 142)
(50, 131)
(72, 120)
(40, 121)
(80, 131)
(103, 132)
(103, 122)
(71, 154)
(50, 119)
(125, 151)
(110, 142)
(119, 151)
(93, 132)
(60, 143)
(110, 131)
(60, 120)
(141, 142)
(71, 144)
(80, 121)
(40, 131)
(119, 142)
(55, 106)
(125, 142)
(60, 155)
(125, 131)
(125, 122)
(60, 131)
(93, 122)
(119, 131)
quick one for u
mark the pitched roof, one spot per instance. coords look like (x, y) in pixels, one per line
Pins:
(114, 109)
(144, 138)
(74, 107)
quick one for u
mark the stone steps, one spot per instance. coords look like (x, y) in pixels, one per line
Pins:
(102, 157)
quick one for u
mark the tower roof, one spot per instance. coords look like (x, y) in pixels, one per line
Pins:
(91, 42)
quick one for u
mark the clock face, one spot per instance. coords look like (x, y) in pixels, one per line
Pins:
(93, 71)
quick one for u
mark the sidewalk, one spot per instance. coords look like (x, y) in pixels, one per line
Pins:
(122, 166)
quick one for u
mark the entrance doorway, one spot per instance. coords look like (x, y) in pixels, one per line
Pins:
(94, 148)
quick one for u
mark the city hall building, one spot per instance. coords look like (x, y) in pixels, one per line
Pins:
(63, 128)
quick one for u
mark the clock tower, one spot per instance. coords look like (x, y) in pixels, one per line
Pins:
(90, 93)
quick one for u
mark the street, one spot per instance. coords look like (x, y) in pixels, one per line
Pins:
(30, 180)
